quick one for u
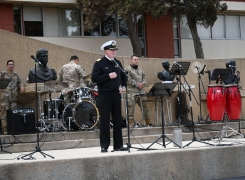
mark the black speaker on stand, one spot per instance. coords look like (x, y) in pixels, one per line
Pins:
(21, 121)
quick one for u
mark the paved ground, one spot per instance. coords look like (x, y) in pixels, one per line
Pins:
(6, 158)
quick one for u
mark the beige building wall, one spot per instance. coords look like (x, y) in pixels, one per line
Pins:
(20, 49)
(220, 49)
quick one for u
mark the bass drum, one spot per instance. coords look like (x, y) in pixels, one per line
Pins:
(83, 115)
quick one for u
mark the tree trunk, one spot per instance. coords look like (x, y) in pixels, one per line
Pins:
(196, 39)
(133, 36)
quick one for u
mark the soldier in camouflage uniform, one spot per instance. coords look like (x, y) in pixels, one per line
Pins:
(137, 74)
(73, 75)
(10, 94)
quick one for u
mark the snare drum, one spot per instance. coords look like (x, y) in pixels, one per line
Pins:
(84, 115)
(83, 93)
(233, 102)
(216, 102)
(50, 107)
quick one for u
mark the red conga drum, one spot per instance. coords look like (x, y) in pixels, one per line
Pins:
(216, 102)
(233, 102)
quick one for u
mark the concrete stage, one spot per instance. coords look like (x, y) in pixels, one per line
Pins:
(220, 158)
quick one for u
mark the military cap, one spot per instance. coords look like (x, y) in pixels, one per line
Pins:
(109, 45)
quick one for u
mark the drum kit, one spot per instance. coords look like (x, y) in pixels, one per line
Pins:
(80, 113)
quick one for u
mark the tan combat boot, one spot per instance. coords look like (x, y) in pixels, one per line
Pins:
(4, 127)
(131, 122)
(148, 122)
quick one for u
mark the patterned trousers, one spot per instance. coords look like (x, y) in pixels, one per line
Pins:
(131, 105)
(6, 105)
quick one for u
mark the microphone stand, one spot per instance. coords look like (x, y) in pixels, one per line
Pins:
(38, 148)
(194, 139)
(200, 118)
(127, 119)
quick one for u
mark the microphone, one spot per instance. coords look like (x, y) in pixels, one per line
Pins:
(35, 59)
(177, 64)
(114, 61)
(203, 68)
(231, 66)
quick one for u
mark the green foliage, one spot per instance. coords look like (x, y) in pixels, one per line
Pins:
(202, 12)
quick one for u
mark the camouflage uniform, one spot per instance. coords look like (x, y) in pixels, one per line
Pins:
(138, 76)
(9, 96)
(73, 75)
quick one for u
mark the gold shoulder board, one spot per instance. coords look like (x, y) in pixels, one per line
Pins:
(98, 59)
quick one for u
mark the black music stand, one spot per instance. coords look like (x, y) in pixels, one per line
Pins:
(162, 89)
(222, 74)
(180, 69)
(3, 85)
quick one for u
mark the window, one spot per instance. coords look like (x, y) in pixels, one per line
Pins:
(108, 26)
(17, 20)
(72, 22)
(203, 32)
(140, 25)
(91, 32)
(225, 27)
(184, 29)
(33, 24)
(123, 28)
(242, 22)
(233, 27)
(51, 22)
(176, 39)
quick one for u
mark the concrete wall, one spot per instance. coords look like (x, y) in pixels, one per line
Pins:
(90, 44)
(20, 48)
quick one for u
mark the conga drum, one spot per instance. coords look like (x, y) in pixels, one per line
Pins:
(233, 102)
(216, 102)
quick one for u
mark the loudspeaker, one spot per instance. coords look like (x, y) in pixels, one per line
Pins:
(21, 121)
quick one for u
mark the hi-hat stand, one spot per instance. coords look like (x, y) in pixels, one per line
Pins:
(224, 131)
(38, 148)
(162, 89)
(3, 85)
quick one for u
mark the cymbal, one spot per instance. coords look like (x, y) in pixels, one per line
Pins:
(87, 77)
(59, 85)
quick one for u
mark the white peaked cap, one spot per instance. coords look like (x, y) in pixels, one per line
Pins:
(109, 45)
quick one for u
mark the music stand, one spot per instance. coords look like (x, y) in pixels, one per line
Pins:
(3, 85)
(180, 68)
(223, 73)
(162, 89)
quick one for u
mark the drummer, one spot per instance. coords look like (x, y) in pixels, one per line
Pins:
(72, 74)
(233, 77)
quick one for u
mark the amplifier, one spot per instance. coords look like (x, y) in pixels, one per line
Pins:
(21, 121)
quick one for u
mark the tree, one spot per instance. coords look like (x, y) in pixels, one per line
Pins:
(97, 10)
(197, 12)
(203, 12)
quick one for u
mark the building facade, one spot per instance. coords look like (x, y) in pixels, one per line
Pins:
(59, 22)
